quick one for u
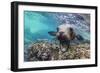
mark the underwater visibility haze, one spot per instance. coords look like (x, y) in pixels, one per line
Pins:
(38, 24)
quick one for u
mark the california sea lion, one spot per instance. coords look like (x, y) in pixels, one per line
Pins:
(65, 33)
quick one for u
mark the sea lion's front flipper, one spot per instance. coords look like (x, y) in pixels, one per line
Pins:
(79, 37)
(52, 33)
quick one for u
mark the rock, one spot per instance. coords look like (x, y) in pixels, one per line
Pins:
(43, 51)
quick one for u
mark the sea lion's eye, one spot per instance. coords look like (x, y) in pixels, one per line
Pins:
(70, 29)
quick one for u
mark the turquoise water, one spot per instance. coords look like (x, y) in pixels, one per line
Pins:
(38, 24)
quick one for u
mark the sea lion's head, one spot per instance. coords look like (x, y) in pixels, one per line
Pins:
(64, 32)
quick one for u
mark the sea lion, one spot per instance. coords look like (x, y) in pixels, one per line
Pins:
(64, 33)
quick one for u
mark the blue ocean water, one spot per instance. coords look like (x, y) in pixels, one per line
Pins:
(38, 24)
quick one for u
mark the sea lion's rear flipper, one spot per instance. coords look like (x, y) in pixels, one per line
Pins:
(52, 33)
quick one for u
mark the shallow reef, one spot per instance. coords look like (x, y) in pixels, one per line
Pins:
(46, 51)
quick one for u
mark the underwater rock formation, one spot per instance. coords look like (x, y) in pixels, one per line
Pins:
(46, 51)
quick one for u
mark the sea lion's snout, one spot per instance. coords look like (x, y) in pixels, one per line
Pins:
(61, 33)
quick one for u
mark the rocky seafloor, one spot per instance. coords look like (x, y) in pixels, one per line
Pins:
(46, 51)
